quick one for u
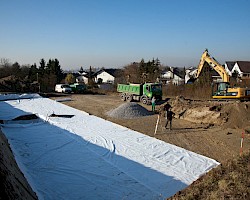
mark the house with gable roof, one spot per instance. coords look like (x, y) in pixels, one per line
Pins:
(229, 67)
(242, 68)
(83, 76)
(173, 75)
(106, 75)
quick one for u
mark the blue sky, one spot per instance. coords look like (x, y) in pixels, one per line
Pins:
(114, 33)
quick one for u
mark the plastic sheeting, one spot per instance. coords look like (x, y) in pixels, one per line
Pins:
(5, 97)
(86, 157)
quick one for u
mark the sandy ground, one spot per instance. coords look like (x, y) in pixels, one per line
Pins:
(215, 134)
(220, 141)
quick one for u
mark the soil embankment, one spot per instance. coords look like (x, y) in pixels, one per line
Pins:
(12, 182)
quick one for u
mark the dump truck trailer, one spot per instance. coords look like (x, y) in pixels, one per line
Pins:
(140, 92)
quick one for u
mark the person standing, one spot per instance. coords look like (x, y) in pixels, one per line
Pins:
(166, 107)
(169, 118)
(153, 104)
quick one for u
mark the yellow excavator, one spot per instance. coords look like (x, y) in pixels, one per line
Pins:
(224, 91)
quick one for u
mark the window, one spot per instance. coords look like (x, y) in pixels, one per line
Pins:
(247, 92)
(156, 87)
(65, 86)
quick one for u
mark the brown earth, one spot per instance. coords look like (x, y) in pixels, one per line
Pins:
(213, 129)
(12, 182)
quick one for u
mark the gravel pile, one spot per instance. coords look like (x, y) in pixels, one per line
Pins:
(129, 111)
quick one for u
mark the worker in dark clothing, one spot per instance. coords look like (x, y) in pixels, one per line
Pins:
(169, 117)
(166, 107)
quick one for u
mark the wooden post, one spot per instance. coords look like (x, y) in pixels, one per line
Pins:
(241, 142)
(156, 126)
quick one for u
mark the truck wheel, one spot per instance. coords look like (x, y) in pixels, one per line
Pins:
(129, 98)
(123, 97)
(144, 100)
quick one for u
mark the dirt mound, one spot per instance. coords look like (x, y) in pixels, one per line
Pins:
(129, 111)
(238, 114)
(195, 111)
(229, 114)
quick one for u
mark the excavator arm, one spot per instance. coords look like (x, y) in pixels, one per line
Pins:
(205, 58)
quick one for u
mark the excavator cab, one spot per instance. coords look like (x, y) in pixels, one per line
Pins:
(221, 89)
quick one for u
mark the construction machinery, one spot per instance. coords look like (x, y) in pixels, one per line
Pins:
(140, 92)
(224, 91)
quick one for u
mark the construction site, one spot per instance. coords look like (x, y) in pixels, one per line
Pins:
(209, 128)
(123, 138)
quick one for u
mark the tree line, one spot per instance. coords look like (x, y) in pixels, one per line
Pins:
(44, 77)
(140, 72)
(32, 78)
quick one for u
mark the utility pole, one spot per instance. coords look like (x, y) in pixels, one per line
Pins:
(39, 89)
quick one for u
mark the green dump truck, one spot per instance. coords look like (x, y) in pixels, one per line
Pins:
(78, 87)
(140, 92)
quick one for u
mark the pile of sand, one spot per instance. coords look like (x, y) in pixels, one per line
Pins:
(129, 111)
(238, 114)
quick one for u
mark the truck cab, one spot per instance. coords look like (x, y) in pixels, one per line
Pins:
(78, 88)
(152, 89)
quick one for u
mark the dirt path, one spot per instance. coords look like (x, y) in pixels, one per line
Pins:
(217, 142)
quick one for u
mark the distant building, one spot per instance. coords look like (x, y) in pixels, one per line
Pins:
(82, 77)
(173, 76)
(216, 76)
(229, 67)
(242, 69)
(236, 69)
(107, 75)
(190, 75)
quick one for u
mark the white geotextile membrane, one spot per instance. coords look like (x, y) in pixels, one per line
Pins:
(86, 157)
(18, 96)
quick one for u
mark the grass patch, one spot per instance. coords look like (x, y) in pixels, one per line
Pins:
(228, 181)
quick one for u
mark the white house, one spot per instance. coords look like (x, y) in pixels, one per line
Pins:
(190, 75)
(233, 68)
(242, 68)
(229, 66)
(173, 75)
(82, 78)
(106, 76)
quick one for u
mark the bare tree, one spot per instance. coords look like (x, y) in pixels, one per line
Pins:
(4, 62)
(132, 73)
